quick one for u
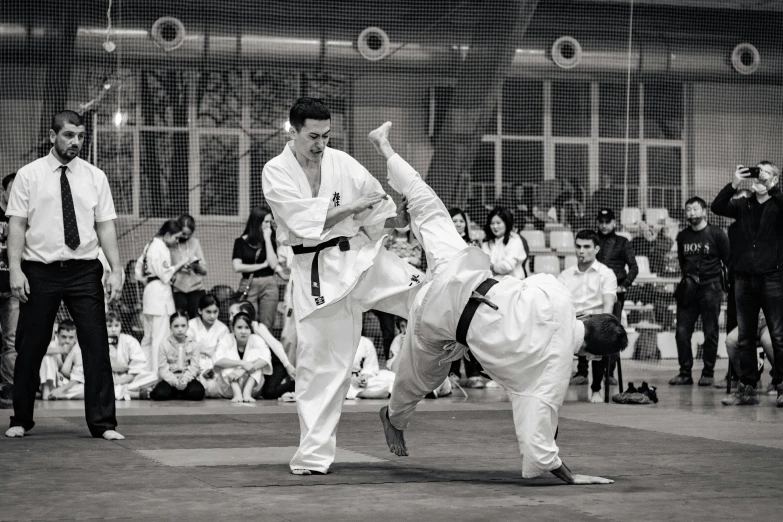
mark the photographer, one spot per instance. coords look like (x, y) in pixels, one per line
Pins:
(758, 271)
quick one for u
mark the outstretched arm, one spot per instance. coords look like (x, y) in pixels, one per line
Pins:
(565, 474)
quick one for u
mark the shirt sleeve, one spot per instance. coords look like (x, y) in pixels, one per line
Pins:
(724, 248)
(226, 349)
(192, 370)
(261, 352)
(237, 252)
(159, 262)
(608, 282)
(18, 203)
(303, 217)
(514, 255)
(164, 371)
(200, 255)
(104, 211)
(630, 260)
(138, 361)
(276, 346)
(374, 219)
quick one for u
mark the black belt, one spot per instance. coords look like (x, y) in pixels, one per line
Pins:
(315, 281)
(470, 310)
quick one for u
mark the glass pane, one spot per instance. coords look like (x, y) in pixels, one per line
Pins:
(121, 95)
(613, 181)
(271, 95)
(219, 175)
(263, 148)
(219, 99)
(572, 164)
(663, 111)
(523, 108)
(333, 90)
(570, 109)
(482, 178)
(115, 158)
(164, 174)
(664, 167)
(523, 163)
(612, 110)
(164, 98)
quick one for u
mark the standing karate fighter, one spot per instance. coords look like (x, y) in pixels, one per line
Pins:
(524, 333)
(333, 213)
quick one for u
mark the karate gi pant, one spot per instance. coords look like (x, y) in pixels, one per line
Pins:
(156, 330)
(536, 389)
(327, 342)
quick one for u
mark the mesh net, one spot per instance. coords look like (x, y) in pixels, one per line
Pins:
(552, 109)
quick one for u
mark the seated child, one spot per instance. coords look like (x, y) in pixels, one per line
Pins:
(61, 345)
(128, 362)
(73, 366)
(178, 358)
(207, 330)
(242, 359)
(368, 381)
(401, 326)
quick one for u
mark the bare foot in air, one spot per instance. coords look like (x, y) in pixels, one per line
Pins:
(380, 140)
(112, 435)
(394, 437)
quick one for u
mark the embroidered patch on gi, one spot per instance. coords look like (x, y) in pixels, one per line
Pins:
(414, 280)
(319, 300)
(336, 199)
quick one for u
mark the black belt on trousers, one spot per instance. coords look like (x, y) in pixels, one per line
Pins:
(315, 281)
(470, 310)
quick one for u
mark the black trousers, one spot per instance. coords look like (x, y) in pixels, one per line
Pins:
(188, 301)
(386, 320)
(754, 292)
(278, 383)
(707, 305)
(164, 391)
(599, 367)
(77, 284)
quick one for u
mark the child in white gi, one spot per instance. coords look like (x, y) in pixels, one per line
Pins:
(73, 366)
(525, 333)
(128, 363)
(207, 330)
(62, 343)
(243, 359)
(178, 364)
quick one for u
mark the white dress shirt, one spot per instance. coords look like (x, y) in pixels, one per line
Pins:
(36, 197)
(589, 287)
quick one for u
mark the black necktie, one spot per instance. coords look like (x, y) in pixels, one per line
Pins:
(70, 227)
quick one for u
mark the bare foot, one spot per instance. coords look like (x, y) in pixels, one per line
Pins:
(248, 398)
(596, 397)
(15, 432)
(112, 435)
(380, 140)
(394, 437)
(236, 398)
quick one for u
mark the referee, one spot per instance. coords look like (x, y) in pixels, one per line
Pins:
(60, 212)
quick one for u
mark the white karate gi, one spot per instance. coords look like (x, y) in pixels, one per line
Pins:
(365, 363)
(129, 353)
(207, 340)
(256, 349)
(157, 302)
(76, 379)
(367, 276)
(507, 259)
(526, 346)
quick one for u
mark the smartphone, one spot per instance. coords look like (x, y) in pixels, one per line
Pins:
(754, 172)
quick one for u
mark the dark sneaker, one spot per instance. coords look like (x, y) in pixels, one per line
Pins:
(612, 381)
(779, 401)
(579, 380)
(772, 389)
(649, 391)
(706, 381)
(744, 396)
(681, 380)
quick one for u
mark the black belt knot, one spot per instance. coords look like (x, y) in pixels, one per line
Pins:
(315, 281)
(470, 310)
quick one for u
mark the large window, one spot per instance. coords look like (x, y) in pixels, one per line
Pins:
(601, 139)
(174, 141)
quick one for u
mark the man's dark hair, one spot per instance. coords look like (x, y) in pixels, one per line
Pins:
(604, 334)
(696, 199)
(66, 326)
(8, 179)
(61, 118)
(587, 234)
(508, 219)
(308, 108)
(774, 167)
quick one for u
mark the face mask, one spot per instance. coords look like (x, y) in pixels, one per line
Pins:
(183, 239)
(759, 188)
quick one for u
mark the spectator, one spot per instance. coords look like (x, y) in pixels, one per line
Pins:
(654, 245)
(392, 364)
(129, 305)
(243, 359)
(281, 380)
(158, 302)
(615, 252)
(504, 247)
(51, 366)
(73, 366)
(764, 339)
(9, 305)
(367, 381)
(703, 251)
(593, 287)
(207, 330)
(255, 257)
(60, 212)
(473, 368)
(128, 363)
(189, 284)
(758, 273)
(178, 364)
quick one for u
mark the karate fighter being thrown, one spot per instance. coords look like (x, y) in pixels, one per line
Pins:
(333, 213)
(524, 332)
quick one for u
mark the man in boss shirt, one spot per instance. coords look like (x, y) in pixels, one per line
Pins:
(702, 249)
(9, 305)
